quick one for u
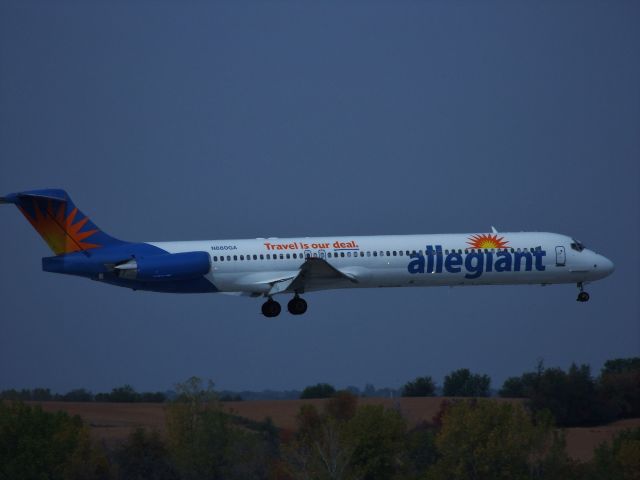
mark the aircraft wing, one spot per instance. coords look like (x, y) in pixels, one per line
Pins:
(313, 271)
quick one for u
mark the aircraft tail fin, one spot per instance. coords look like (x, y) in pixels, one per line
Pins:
(59, 222)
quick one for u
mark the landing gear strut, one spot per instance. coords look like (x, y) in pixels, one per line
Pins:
(297, 306)
(271, 308)
(582, 296)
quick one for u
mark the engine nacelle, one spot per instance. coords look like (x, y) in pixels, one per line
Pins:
(172, 266)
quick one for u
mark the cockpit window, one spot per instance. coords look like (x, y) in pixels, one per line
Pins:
(577, 245)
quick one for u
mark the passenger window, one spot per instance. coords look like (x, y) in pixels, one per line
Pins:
(395, 254)
(215, 259)
(255, 257)
(261, 256)
(368, 254)
(375, 254)
(342, 254)
(348, 254)
(228, 258)
(241, 257)
(281, 256)
(288, 256)
(362, 254)
(268, 256)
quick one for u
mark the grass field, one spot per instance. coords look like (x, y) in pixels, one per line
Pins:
(111, 423)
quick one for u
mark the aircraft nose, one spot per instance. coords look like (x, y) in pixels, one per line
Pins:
(605, 265)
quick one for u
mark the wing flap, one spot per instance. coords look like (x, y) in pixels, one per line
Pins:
(316, 269)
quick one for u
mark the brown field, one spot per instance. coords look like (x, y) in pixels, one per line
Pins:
(111, 423)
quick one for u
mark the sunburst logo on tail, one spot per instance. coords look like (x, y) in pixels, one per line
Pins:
(58, 228)
(486, 240)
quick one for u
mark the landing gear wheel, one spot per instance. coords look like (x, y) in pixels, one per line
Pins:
(297, 306)
(271, 308)
(583, 297)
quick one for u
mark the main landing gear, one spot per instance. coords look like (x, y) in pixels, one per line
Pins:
(271, 308)
(582, 296)
(296, 306)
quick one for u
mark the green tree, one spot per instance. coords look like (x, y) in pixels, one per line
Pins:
(482, 439)
(376, 436)
(203, 440)
(570, 396)
(35, 444)
(462, 383)
(419, 450)
(152, 397)
(320, 390)
(124, 394)
(619, 387)
(420, 387)
(144, 456)
(78, 395)
(620, 460)
(344, 442)
(621, 365)
(41, 394)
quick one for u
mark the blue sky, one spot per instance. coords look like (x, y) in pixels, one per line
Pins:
(201, 120)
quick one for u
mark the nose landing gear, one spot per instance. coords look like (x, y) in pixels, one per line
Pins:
(582, 296)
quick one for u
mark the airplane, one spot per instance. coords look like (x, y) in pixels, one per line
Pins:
(266, 267)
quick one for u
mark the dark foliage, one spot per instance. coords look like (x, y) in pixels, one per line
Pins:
(420, 387)
(575, 398)
(37, 444)
(320, 390)
(463, 383)
(144, 456)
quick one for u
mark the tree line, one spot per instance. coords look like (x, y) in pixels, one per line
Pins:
(574, 397)
(123, 394)
(342, 440)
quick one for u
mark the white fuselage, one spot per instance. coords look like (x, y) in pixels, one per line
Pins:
(254, 266)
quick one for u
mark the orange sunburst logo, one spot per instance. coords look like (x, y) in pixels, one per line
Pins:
(58, 229)
(486, 240)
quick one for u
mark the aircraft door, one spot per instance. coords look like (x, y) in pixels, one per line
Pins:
(561, 257)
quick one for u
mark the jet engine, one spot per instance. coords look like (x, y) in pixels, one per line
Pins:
(172, 266)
